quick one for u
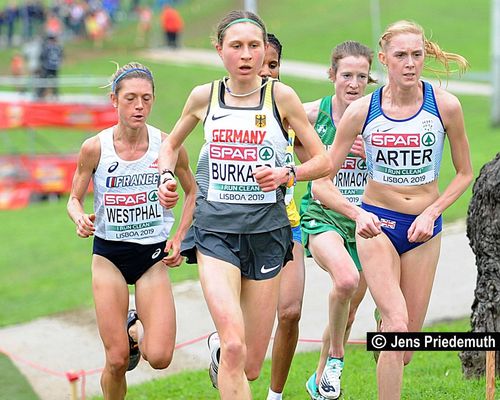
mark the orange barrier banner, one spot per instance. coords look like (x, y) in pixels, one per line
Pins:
(20, 114)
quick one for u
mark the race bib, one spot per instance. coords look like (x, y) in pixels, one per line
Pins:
(403, 158)
(231, 173)
(351, 179)
(132, 215)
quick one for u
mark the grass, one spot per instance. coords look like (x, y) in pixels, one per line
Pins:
(430, 375)
(13, 384)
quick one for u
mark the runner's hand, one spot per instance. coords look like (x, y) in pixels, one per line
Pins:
(358, 147)
(421, 229)
(167, 193)
(367, 225)
(85, 225)
(270, 179)
(174, 259)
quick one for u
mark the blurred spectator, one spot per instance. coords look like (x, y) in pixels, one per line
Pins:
(76, 18)
(2, 23)
(145, 15)
(10, 16)
(172, 25)
(17, 68)
(51, 57)
(32, 51)
(53, 25)
(97, 25)
(111, 8)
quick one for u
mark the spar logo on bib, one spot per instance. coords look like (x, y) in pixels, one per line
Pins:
(396, 139)
(428, 139)
(125, 199)
(361, 164)
(266, 153)
(233, 153)
(349, 163)
(153, 195)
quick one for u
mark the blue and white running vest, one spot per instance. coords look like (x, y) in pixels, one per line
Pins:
(404, 152)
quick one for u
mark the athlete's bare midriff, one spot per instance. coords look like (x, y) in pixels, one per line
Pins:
(403, 199)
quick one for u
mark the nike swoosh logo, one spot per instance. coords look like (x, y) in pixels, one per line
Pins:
(265, 270)
(387, 130)
(214, 118)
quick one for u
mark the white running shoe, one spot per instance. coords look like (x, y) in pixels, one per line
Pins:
(213, 342)
(329, 384)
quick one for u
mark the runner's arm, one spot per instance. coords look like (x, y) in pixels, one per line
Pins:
(194, 111)
(367, 224)
(452, 114)
(88, 159)
(188, 184)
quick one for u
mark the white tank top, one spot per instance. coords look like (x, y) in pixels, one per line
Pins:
(237, 141)
(404, 152)
(126, 194)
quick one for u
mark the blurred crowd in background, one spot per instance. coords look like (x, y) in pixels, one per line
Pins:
(37, 32)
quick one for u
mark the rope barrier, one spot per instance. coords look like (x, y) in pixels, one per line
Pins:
(74, 376)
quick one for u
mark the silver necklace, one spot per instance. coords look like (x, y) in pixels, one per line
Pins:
(243, 94)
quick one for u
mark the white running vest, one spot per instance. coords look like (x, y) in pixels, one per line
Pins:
(404, 152)
(126, 194)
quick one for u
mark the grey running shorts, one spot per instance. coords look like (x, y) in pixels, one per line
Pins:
(259, 256)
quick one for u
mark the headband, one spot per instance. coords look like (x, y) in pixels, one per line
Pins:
(237, 21)
(126, 72)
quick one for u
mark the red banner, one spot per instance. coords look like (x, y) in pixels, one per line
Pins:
(23, 176)
(19, 114)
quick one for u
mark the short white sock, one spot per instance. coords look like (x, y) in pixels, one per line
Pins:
(273, 395)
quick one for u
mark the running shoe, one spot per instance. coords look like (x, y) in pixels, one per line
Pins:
(312, 388)
(213, 343)
(134, 352)
(329, 384)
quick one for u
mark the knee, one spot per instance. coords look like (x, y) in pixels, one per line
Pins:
(233, 352)
(252, 372)
(346, 286)
(159, 360)
(290, 315)
(117, 362)
(395, 324)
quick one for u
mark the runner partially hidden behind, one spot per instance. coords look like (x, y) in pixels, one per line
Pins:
(130, 230)
(293, 275)
(241, 235)
(404, 125)
(329, 236)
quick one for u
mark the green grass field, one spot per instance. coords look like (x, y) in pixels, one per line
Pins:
(46, 268)
(13, 384)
